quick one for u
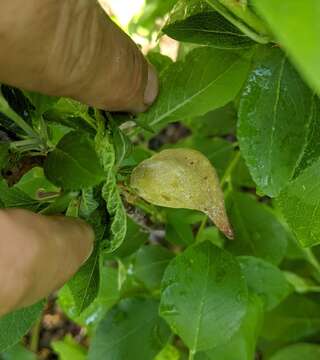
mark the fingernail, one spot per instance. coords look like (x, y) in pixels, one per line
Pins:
(152, 88)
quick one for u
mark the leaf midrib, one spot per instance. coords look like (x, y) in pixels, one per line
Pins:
(198, 93)
(88, 173)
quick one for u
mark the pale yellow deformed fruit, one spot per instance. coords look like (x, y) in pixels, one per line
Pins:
(182, 178)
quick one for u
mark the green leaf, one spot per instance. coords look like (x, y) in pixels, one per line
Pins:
(110, 192)
(168, 353)
(265, 280)
(88, 203)
(299, 203)
(4, 155)
(132, 330)
(242, 345)
(219, 122)
(69, 349)
(204, 287)
(240, 176)
(61, 204)
(295, 318)
(301, 285)
(34, 184)
(153, 10)
(296, 25)
(241, 15)
(85, 283)
(15, 117)
(134, 239)
(122, 144)
(18, 352)
(196, 22)
(298, 352)
(150, 264)
(42, 103)
(178, 227)
(107, 297)
(74, 163)
(257, 230)
(206, 80)
(159, 61)
(15, 325)
(278, 123)
(15, 198)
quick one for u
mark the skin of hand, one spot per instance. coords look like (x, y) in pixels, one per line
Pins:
(61, 48)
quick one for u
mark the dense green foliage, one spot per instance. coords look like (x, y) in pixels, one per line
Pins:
(164, 283)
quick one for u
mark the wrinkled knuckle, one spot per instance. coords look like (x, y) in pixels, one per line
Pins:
(75, 46)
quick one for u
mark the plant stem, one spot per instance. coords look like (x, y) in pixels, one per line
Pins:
(230, 168)
(88, 119)
(35, 335)
(191, 354)
(201, 228)
(248, 29)
(26, 145)
(312, 259)
(12, 115)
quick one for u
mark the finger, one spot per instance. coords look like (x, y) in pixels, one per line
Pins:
(44, 252)
(71, 48)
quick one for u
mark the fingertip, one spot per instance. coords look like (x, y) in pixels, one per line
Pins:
(152, 88)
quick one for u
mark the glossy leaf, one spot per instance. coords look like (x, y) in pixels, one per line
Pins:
(135, 237)
(257, 230)
(15, 198)
(265, 280)
(178, 227)
(107, 297)
(196, 22)
(278, 123)
(182, 178)
(294, 319)
(169, 353)
(301, 285)
(298, 352)
(207, 79)
(35, 184)
(302, 45)
(219, 122)
(15, 325)
(42, 103)
(18, 352)
(132, 330)
(242, 345)
(159, 61)
(68, 349)
(85, 284)
(204, 287)
(299, 203)
(150, 264)
(74, 163)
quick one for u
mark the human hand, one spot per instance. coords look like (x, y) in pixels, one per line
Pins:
(62, 48)
(38, 255)
(71, 48)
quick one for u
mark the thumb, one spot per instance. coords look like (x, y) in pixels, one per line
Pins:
(38, 255)
(71, 48)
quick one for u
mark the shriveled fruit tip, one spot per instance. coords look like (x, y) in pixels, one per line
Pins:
(182, 178)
